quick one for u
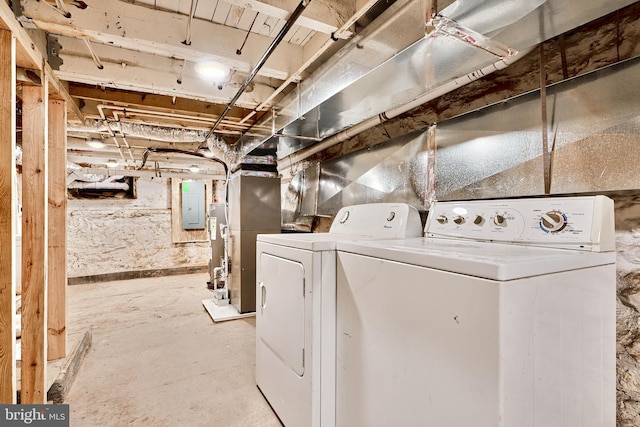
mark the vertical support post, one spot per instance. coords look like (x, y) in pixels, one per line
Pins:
(33, 388)
(546, 155)
(8, 214)
(57, 222)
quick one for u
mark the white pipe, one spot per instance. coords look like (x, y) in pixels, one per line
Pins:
(389, 114)
(327, 44)
(192, 11)
(113, 135)
(62, 8)
(155, 114)
(95, 58)
(147, 173)
(63, 11)
(126, 143)
(224, 228)
(100, 185)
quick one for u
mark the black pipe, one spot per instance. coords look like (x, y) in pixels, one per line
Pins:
(177, 150)
(276, 41)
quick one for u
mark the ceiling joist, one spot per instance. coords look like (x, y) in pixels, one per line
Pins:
(136, 28)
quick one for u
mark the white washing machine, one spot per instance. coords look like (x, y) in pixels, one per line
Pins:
(503, 315)
(295, 314)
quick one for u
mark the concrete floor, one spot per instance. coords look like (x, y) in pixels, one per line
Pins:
(157, 358)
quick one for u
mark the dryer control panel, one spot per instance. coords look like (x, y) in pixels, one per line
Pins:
(380, 220)
(585, 222)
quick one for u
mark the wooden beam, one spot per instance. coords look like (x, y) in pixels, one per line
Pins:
(136, 28)
(57, 225)
(324, 17)
(163, 103)
(59, 90)
(34, 245)
(8, 213)
(27, 55)
(145, 72)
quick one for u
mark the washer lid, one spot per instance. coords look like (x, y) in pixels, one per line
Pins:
(494, 261)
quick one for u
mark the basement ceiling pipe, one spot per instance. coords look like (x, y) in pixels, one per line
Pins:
(276, 41)
(296, 75)
(100, 185)
(192, 11)
(217, 146)
(105, 183)
(394, 112)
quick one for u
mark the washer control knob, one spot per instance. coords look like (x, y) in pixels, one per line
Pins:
(478, 220)
(500, 221)
(391, 216)
(553, 222)
(459, 220)
(442, 219)
(344, 217)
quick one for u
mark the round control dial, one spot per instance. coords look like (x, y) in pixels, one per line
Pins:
(500, 220)
(442, 219)
(553, 222)
(459, 220)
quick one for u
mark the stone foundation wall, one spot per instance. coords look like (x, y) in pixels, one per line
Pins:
(117, 235)
(628, 308)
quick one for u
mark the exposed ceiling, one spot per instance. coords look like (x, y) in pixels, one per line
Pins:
(296, 68)
(131, 67)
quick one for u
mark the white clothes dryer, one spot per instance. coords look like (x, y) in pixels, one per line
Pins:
(503, 315)
(295, 314)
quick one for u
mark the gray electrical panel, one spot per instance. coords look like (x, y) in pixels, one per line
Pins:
(193, 212)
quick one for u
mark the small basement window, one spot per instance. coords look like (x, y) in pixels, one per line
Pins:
(110, 188)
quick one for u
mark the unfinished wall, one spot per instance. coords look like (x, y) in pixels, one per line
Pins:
(607, 41)
(125, 235)
(628, 308)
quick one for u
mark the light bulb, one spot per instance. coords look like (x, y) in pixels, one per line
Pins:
(112, 163)
(194, 168)
(96, 143)
(212, 70)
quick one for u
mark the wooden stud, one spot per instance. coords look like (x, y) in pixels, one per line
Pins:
(34, 245)
(8, 214)
(57, 268)
(27, 55)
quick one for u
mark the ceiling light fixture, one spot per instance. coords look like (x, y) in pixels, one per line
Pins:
(111, 163)
(96, 143)
(212, 71)
(207, 153)
(194, 168)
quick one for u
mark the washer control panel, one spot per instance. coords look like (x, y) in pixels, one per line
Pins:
(584, 222)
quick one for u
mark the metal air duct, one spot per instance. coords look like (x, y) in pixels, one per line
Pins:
(392, 62)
